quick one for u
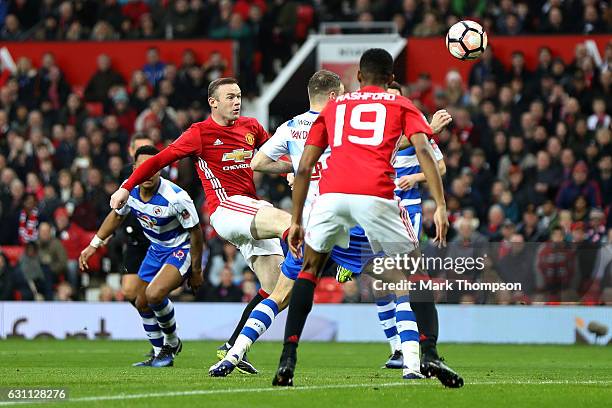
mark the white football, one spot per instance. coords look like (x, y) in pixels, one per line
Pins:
(466, 40)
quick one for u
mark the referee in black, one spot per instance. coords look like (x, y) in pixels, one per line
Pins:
(135, 243)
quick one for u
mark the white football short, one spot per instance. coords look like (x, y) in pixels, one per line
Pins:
(386, 224)
(232, 221)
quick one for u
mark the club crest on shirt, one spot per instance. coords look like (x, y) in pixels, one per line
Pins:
(250, 138)
(157, 211)
(180, 254)
(147, 221)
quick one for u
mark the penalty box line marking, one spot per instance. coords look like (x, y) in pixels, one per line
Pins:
(302, 388)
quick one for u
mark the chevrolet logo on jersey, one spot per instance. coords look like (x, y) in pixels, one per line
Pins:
(238, 155)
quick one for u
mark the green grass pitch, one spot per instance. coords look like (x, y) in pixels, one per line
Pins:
(99, 373)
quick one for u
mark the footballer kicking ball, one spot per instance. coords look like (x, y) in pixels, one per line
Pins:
(466, 40)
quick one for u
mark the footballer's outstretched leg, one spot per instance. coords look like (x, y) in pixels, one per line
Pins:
(258, 322)
(244, 365)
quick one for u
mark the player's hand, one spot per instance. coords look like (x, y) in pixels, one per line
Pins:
(290, 180)
(406, 182)
(441, 220)
(84, 257)
(119, 198)
(440, 120)
(295, 239)
(196, 279)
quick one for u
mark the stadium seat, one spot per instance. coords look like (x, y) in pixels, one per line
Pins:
(328, 291)
(305, 18)
(12, 252)
(95, 109)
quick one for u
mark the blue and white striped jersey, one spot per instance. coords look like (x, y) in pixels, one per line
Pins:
(166, 217)
(290, 139)
(406, 163)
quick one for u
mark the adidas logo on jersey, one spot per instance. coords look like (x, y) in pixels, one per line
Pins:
(217, 142)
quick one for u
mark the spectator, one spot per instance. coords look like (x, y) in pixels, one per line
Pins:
(604, 178)
(6, 280)
(429, 27)
(106, 294)
(352, 293)
(65, 292)
(214, 67)
(579, 185)
(555, 23)
(596, 227)
(148, 30)
(74, 239)
(555, 269)
(517, 157)
(28, 219)
(529, 228)
(488, 66)
(592, 24)
(102, 80)
(496, 218)
(226, 290)
(180, 22)
(230, 258)
(12, 29)
(121, 109)
(52, 254)
(479, 168)
(54, 88)
(154, 68)
(516, 266)
(29, 263)
(599, 119)
(50, 201)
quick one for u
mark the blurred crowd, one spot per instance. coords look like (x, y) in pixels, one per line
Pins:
(269, 31)
(529, 171)
(528, 155)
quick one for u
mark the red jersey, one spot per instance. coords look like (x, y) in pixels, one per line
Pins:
(363, 130)
(223, 155)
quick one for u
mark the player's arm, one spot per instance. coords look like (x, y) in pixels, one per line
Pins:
(267, 159)
(407, 182)
(439, 121)
(187, 216)
(427, 161)
(264, 164)
(188, 144)
(112, 221)
(197, 242)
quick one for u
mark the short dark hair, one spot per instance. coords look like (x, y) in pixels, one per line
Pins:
(214, 85)
(146, 150)
(376, 65)
(323, 82)
(395, 85)
(139, 136)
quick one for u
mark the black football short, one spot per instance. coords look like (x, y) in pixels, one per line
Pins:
(133, 255)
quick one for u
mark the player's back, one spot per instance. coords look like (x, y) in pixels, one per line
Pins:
(363, 129)
(290, 139)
